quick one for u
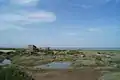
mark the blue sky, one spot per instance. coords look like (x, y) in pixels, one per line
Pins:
(60, 23)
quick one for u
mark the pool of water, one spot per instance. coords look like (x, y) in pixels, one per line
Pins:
(5, 62)
(55, 65)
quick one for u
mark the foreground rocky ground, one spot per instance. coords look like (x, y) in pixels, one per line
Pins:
(83, 64)
(67, 74)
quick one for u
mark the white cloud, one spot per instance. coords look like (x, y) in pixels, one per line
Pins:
(107, 0)
(25, 2)
(28, 17)
(4, 27)
(71, 34)
(41, 16)
(117, 1)
(94, 30)
(21, 16)
(86, 6)
(112, 0)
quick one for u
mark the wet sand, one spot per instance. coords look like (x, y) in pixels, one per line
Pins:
(65, 74)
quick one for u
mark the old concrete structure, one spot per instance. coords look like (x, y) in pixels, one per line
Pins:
(32, 48)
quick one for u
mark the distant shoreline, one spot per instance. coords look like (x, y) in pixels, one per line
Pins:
(70, 48)
(66, 48)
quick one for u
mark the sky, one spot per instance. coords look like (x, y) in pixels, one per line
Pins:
(60, 23)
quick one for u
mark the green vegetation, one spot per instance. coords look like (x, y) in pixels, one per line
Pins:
(100, 59)
(111, 76)
(11, 48)
(80, 58)
(13, 73)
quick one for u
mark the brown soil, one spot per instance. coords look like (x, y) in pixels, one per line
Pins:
(87, 74)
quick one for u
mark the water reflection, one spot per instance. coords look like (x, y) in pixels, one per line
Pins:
(5, 62)
(55, 65)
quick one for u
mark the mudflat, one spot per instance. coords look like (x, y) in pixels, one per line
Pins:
(68, 74)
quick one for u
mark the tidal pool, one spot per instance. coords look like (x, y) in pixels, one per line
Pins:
(55, 65)
(5, 62)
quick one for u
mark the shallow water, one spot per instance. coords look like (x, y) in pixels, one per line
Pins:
(5, 62)
(55, 65)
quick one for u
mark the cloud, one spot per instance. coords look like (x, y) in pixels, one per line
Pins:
(4, 27)
(89, 3)
(41, 16)
(19, 17)
(71, 34)
(25, 2)
(112, 0)
(117, 1)
(108, 0)
(86, 6)
(94, 30)
(25, 17)
(28, 17)
(11, 28)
